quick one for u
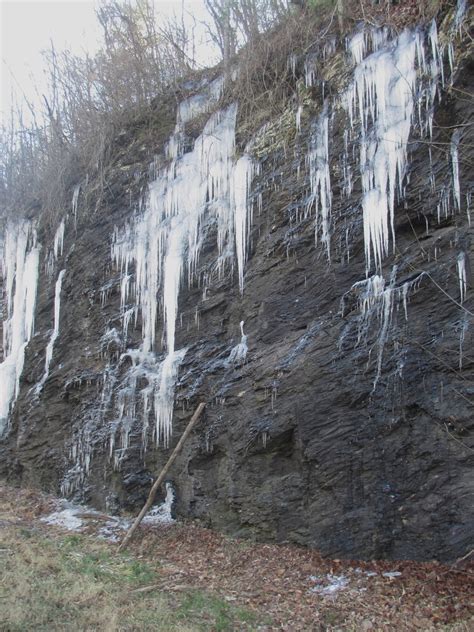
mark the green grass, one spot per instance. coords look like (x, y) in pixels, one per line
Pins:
(77, 583)
(211, 610)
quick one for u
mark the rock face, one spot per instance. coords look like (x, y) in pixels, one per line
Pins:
(349, 424)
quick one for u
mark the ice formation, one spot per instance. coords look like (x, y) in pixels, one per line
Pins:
(75, 202)
(461, 9)
(462, 336)
(238, 353)
(59, 240)
(20, 274)
(298, 114)
(320, 180)
(462, 276)
(383, 92)
(161, 514)
(393, 88)
(377, 301)
(206, 188)
(161, 246)
(55, 332)
(328, 585)
(200, 103)
(455, 166)
(364, 39)
(242, 176)
(66, 516)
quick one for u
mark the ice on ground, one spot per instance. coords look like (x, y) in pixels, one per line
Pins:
(66, 516)
(74, 517)
(328, 584)
(161, 514)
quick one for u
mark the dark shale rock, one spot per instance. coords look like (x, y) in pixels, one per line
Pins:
(297, 444)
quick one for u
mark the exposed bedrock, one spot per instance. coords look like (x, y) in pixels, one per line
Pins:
(345, 422)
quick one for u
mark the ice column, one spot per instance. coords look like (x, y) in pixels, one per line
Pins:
(383, 92)
(55, 332)
(168, 236)
(455, 166)
(320, 180)
(238, 353)
(243, 174)
(20, 275)
(462, 276)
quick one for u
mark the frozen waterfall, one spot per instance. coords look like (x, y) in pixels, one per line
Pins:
(161, 246)
(20, 276)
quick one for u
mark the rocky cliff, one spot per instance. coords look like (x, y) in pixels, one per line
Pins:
(305, 273)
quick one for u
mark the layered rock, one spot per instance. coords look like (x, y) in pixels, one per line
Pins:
(339, 241)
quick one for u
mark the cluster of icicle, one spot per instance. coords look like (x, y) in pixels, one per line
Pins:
(20, 272)
(20, 267)
(395, 85)
(377, 301)
(52, 260)
(161, 246)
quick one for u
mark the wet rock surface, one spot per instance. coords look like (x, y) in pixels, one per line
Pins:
(303, 442)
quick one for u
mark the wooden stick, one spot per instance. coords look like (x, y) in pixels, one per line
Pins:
(159, 480)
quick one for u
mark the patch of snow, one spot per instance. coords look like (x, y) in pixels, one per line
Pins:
(66, 516)
(329, 584)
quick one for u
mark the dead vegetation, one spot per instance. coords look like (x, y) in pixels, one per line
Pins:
(185, 577)
(47, 150)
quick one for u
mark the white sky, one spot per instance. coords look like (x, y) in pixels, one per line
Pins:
(27, 26)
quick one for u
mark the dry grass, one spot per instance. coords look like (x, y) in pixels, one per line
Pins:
(188, 578)
(66, 583)
(51, 581)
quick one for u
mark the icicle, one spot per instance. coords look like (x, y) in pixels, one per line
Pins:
(59, 240)
(238, 353)
(242, 177)
(201, 103)
(384, 92)
(75, 200)
(164, 239)
(357, 46)
(462, 336)
(126, 318)
(310, 71)
(299, 112)
(462, 276)
(20, 273)
(55, 332)
(157, 241)
(461, 9)
(161, 514)
(164, 396)
(376, 302)
(468, 206)
(455, 166)
(291, 64)
(320, 180)
(387, 308)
